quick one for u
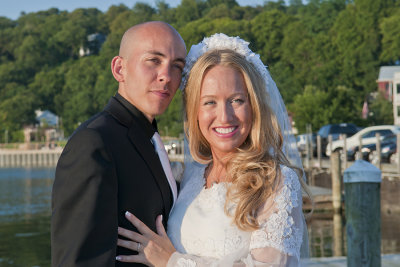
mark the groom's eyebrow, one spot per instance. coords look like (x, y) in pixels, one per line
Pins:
(157, 53)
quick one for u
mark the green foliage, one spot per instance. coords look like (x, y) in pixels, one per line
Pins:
(390, 30)
(268, 28)
(310, 108)
(171, 122)
(317, 107)
(380, 111)
(323, 54)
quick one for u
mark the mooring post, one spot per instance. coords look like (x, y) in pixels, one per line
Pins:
(338, 234)
(336, 171)
(344, 137)
(336, 182)
(319, 152)
(362, 182)
(378, 150)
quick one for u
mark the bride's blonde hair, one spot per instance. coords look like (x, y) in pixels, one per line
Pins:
(254, 168)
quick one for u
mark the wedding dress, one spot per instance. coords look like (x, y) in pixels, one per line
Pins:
(205, 236)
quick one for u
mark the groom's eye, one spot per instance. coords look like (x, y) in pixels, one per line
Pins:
(155, 60)
(179, 66)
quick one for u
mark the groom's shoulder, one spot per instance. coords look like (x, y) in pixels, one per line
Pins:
(101, 124)
(97, 122)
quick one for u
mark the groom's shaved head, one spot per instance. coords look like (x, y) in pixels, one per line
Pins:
(137, 33)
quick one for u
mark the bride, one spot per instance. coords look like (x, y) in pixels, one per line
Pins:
(240, 202)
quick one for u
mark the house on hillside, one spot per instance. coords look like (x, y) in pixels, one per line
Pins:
(94, 43)
(46, 117)
(46, 130)
(389, 84)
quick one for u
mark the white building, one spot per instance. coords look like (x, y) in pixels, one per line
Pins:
(396, 98)
(389, 85)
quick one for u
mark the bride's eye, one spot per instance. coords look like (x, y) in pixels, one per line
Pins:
(209, 102)
(237, 101)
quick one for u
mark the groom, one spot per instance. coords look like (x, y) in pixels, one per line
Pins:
(110, 164)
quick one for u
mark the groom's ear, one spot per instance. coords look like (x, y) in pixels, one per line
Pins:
(117, 68)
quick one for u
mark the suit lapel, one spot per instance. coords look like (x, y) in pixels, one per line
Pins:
(146, 150)
(152, 160)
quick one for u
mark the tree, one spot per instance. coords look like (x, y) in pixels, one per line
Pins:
(310, 108)
(112, 13)
(187, 11)
(48, 83)
(16, 109)
(171, 122)
(381, 111)
(164, 12)
(81, 22)
(390, 30)
(268, 28)
(318, 107)
(77, 100)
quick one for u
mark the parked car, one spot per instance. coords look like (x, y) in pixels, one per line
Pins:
(301, 141)
(367, 136)
(369, 152)
(388, 150)
(336, 130)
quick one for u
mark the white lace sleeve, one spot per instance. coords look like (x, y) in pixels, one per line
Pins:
(281, 225)
(276, 243)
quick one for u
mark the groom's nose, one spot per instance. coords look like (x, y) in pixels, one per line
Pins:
(164, 75)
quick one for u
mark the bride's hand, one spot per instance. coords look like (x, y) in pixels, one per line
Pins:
(153, 249)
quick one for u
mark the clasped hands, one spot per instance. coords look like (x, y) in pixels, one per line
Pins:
(154, 249)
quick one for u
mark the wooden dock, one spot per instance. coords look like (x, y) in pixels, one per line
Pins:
(389, 260)
(29, 158)
(322, 198)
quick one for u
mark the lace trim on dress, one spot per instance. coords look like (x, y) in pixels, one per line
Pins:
(210, 200)
(279, 230)
(212, 197)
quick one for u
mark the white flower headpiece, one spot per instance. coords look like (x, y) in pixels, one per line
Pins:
(221, 41)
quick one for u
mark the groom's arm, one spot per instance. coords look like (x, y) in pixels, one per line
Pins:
(84, 204)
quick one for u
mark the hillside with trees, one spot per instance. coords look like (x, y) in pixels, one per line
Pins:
(324, 56)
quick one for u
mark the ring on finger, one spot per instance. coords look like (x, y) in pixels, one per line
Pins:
(138, 246)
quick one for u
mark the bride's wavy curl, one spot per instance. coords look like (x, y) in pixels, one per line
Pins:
(254, 170)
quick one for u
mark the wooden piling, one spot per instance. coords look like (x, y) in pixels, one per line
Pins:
(378, 150)
(336, 182)
(338, 235)
(344, 151)
(359, 156)
(319, 154)
(363, 214)
(307, 159)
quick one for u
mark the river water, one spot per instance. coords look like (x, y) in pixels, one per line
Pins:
(25, 201)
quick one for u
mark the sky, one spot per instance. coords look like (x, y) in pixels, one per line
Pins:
(13, 8)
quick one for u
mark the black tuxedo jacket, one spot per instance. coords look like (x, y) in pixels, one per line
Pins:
(108, 166)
